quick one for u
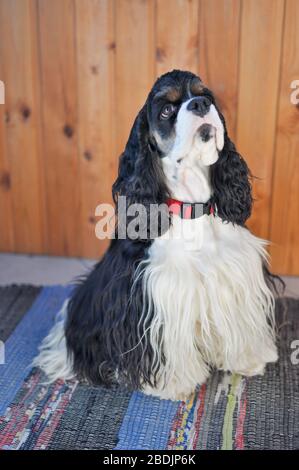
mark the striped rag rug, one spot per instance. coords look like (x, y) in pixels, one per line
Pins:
(228, 412)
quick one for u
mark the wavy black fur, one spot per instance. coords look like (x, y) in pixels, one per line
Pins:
(230, 179)
(102, 326)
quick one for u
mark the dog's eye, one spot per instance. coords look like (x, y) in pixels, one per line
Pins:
(167, 111)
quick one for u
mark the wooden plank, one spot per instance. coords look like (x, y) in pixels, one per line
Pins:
(6, 218)
(135, 64)
(22, 164)
(60, 131)
(177, 35)
(260, 52)
(6, 212)
(95, 70)
(219, 31)
(285, 210)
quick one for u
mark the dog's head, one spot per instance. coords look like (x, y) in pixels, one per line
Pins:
(183, 119)
(180, 122)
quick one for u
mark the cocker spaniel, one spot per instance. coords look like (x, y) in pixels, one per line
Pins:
(157, 313)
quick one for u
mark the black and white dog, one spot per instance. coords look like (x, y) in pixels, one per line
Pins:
(157, 314)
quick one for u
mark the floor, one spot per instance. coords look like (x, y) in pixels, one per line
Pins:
(49, 270)
(40, 270)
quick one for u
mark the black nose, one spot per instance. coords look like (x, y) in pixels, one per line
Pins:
(199, 106)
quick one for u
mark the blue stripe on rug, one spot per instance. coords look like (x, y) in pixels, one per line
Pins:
(147, 423)
(22, 346)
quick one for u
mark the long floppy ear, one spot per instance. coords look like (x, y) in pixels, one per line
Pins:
(230, 179)
(140, 176)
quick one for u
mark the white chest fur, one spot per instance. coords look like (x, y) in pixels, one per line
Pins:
(211, 303)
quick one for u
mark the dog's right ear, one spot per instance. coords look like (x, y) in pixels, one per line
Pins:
(140, 177)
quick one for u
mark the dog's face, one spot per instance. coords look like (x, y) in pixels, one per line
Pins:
(183, 119)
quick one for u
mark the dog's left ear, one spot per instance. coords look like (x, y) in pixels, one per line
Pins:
(230, 179)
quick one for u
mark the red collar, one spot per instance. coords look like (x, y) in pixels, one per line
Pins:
(190, 210)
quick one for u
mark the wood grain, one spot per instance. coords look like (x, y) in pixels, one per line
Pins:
(219, 31)
(260, 52)
(95, 72)
(135, 65)
(285, 191)
(6, 211)
(20, 159)
(177, 35)
(60, 125)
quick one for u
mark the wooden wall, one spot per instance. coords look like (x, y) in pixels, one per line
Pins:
(77, 71)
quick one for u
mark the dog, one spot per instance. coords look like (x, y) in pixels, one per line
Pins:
(159, 313)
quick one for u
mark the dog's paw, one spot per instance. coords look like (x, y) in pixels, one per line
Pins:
(255, 365)
(251, 371)
(173, 393)
(184, 396)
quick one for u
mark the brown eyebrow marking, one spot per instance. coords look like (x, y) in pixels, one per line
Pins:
(171, 94)
(196, 86)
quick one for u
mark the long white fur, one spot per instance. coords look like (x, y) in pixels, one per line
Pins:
(211, 303)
